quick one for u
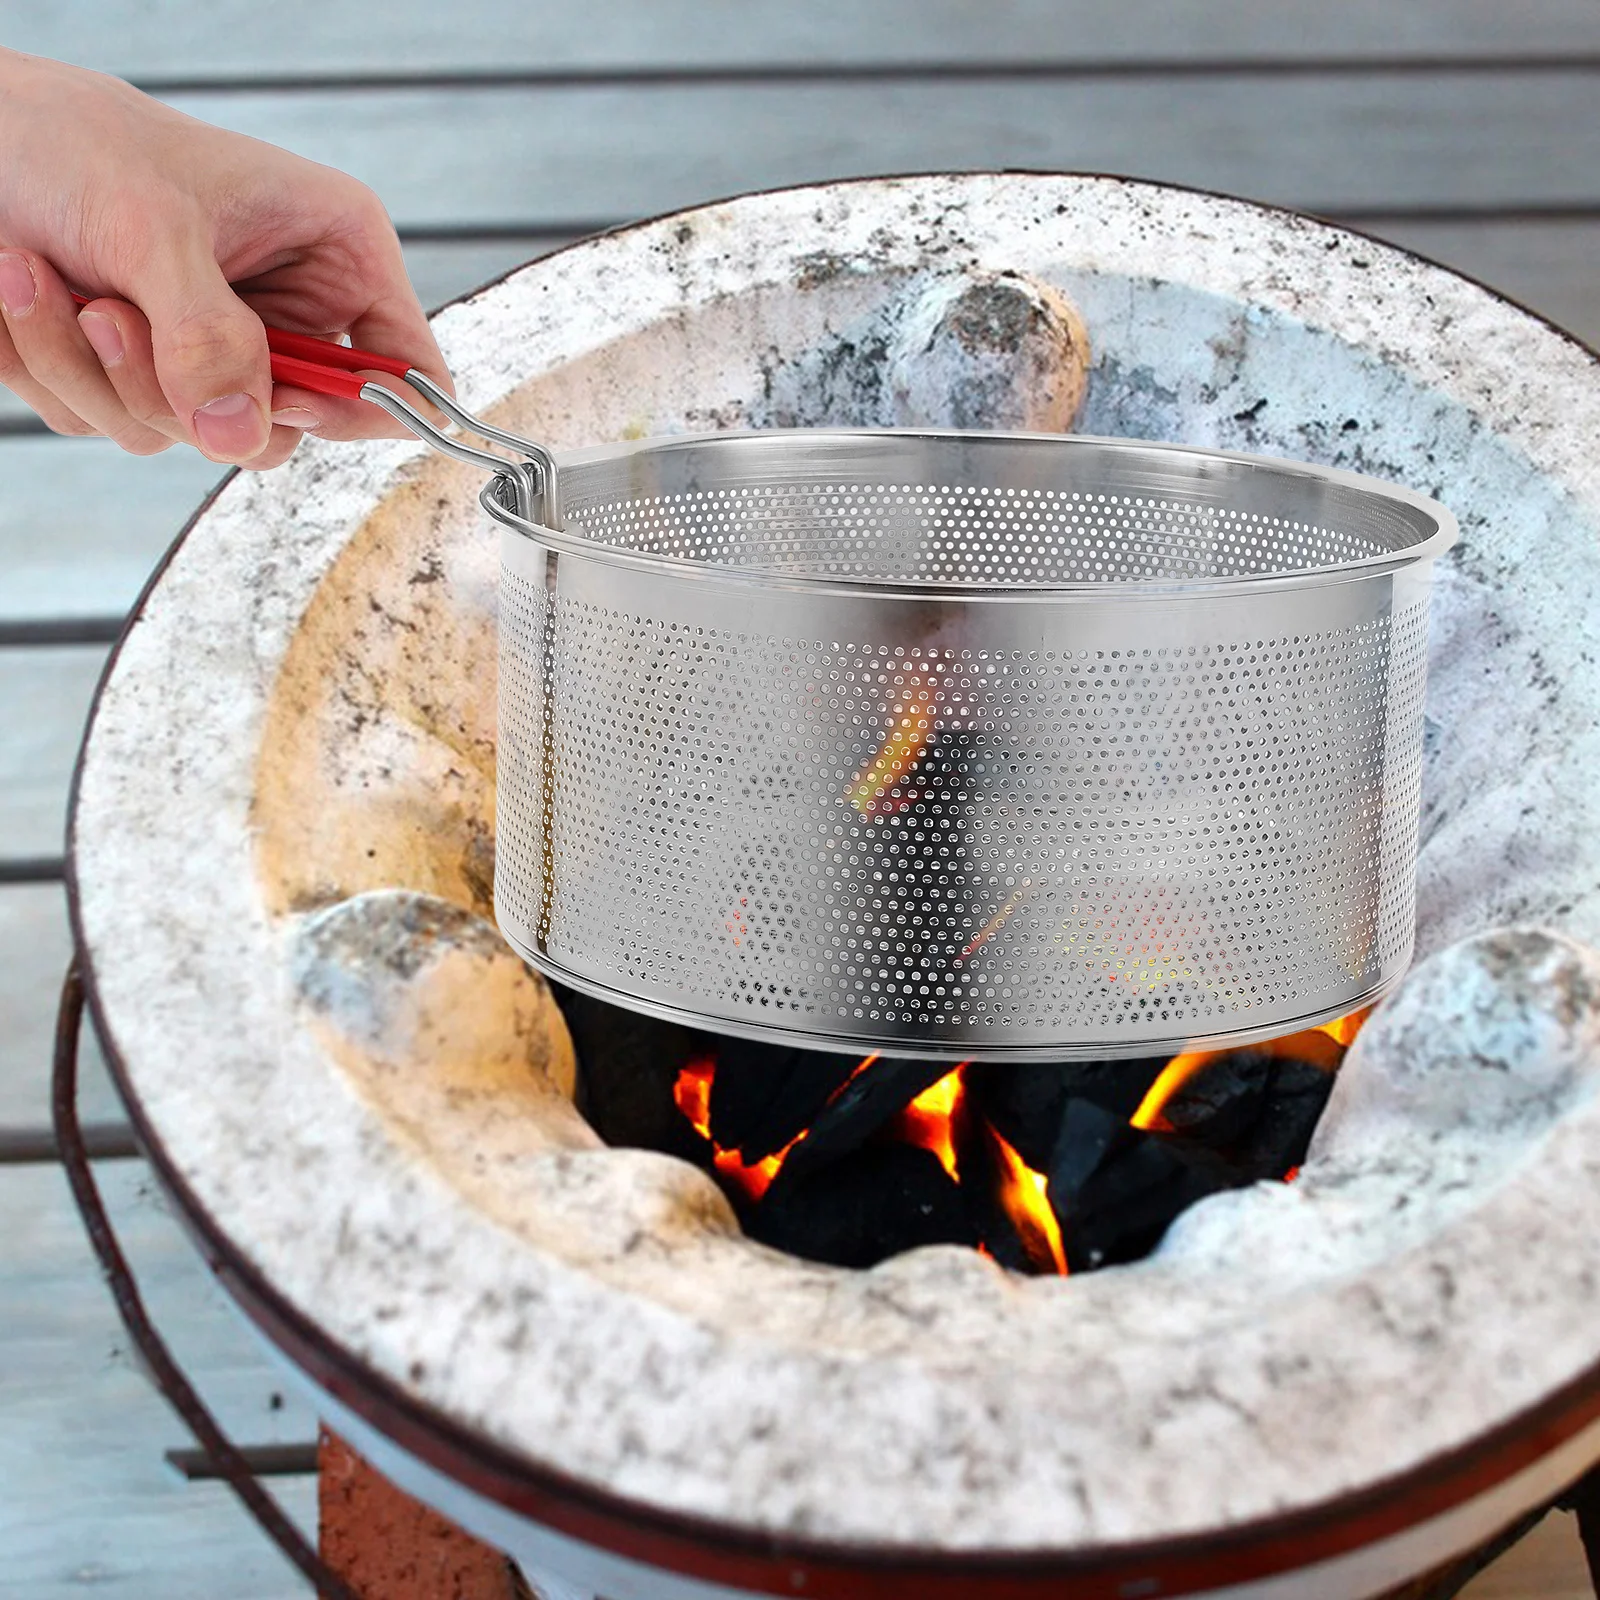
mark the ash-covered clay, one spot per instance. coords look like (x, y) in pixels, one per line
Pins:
(1453, 1085)
(965, 349)
(1490, 1035)
(997, 350)
(417, 983)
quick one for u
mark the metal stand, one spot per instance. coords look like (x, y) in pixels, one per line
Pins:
(1449, 1581)
(1583, 1498)
(169, 1378)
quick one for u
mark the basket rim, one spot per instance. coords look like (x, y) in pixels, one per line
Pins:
(1445, 529)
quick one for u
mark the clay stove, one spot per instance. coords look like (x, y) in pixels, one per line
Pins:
(363, 1102)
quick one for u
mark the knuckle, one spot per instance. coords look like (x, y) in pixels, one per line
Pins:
(69, 426)
(211, 340)
(151, 413)
(365, 205)
(128, 435)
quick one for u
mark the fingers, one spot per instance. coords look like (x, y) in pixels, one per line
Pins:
(208, 349)
(120, 337)
(281, 444)
(370, 298)
(49, 362)
(95, 371)
(15, 377)
(120, 334)
(396, 325)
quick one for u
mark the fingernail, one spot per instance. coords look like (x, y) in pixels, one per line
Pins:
(297, 417)
(231, 428)
(17, 288)
(104, 336)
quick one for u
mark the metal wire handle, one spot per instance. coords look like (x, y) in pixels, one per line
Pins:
(169, 1377)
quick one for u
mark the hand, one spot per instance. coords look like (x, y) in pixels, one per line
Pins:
(192, 239)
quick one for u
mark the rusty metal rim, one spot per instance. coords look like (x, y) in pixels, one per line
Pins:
(715, 1551)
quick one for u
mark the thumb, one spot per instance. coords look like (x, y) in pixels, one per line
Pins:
(210, 353)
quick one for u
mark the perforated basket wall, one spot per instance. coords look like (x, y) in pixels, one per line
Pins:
(964, 769)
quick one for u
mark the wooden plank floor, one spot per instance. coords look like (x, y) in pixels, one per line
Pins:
(1468, 130)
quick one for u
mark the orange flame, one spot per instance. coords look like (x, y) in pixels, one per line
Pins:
(692, 1095)
(930, 1122)
(1177, 1072)
(1023, 1194)
(1343, 1030)
(900, 751)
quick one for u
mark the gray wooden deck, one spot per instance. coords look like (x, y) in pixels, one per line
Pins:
(495, 129)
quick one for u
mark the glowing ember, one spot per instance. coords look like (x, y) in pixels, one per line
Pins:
(869, 790)
(1023, 1194)
(692, 1094)
(930, 1119)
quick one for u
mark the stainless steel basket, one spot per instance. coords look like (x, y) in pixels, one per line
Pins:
(964, 745)
(961, 745)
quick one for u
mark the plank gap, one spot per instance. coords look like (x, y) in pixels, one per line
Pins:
(755, 74)
(264, 1460)
(34, 869)
(507, 232)
(105, 1141)
(43, 631)
(14, 426)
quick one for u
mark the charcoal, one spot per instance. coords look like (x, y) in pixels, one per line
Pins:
(979, 1165)
(1222, 1102)
(1116, 1189)
(1282, 1133)
(863, 1106)
(1258, 1108)
(1024, 1104)
(764, 1095)
(869, 1205)
(628, 1068)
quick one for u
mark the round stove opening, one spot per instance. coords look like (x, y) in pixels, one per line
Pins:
(1044, 1167)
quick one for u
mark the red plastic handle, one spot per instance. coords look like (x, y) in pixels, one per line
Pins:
(320, 365)
(316, 377)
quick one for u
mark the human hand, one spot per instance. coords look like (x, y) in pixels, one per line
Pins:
(191, 239)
